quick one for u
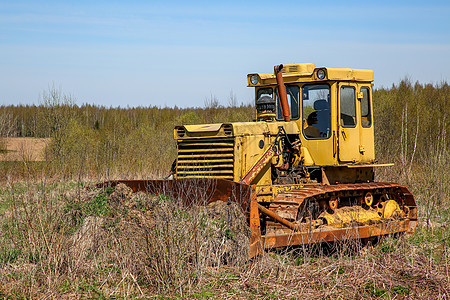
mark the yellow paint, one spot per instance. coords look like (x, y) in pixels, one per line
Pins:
(345, 146)
(203, 128)
(265, 193)
(308, 161)
(306, 72)
(390, 208)
(345, 215)
(368, 198)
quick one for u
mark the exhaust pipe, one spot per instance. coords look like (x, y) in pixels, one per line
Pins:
(282, 95)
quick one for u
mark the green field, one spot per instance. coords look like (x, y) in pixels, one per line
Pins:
(59, 239)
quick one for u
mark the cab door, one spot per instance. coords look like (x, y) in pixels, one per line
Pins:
(366, 148)
(348, 125)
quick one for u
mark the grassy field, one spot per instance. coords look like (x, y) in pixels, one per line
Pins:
(22, 157)
(24, 149)
(61, 240)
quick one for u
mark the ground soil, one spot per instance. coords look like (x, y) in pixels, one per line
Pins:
(24, 149)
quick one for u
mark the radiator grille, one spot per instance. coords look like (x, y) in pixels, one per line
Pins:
(206, 158)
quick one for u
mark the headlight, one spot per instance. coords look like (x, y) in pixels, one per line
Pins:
(254, 79)
(321, 74)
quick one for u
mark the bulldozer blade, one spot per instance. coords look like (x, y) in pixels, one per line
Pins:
(191, 191)
(202, 192)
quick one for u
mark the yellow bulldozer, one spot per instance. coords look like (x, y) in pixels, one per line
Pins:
(303, 171)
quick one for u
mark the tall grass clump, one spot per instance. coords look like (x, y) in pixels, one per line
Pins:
(64, 239)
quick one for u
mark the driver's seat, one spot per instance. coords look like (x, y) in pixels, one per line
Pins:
(323, 117)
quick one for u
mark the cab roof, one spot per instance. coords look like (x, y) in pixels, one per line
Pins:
(307, 72)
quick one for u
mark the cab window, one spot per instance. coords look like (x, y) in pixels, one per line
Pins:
(264, 92)
(292, 92)
(348, 106)
(366, 118)
(316, 113)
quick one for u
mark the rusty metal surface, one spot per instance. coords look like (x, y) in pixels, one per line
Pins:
(255, 246)
(332, 234)
(260, 164)
(298, 195)
(191, 191)
(341, 190)
(282, 93)
(287, 204)
(277, 218)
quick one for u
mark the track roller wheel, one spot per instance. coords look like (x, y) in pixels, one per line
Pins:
(333, 203)
(391, 209)
(368, 199)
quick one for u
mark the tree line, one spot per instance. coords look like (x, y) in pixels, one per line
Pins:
(411, 129)
(101, 141)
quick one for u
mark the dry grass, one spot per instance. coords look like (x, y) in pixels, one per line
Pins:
(24, 149)
(61, 240)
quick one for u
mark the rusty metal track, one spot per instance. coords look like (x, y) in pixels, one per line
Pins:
(324, 191)
(287, 204)
(334, 234)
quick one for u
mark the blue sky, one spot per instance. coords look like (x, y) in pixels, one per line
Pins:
(166, 53)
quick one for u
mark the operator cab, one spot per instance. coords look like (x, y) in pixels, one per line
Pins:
(332, 109)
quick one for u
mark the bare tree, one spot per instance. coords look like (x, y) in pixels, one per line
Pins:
(232, 100)
(7, 129)
(212, 102)
(57, 114)
(7, 124)
(407, 162)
